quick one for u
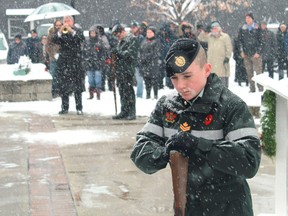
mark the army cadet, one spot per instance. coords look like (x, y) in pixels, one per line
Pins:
(126, 56)
(221, 141)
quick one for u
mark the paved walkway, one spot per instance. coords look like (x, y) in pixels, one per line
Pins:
(41, 177)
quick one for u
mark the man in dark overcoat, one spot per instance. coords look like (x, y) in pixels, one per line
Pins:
(126, 55)
(70, 76)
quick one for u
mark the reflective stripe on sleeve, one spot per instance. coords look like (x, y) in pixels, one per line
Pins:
(242, 132)
(206, 134)
(152, 128)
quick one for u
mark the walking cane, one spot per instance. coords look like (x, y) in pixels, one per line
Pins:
(179, 170)
(113, 65)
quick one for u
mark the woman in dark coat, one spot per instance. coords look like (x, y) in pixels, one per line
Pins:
(95, 54)
(281, 52)
(70, 76)
(149, 61)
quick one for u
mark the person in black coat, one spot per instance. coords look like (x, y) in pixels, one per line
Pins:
(240, 70)
(34, 47)
(125, 57)
(167, 38)
(70, 76)
(95, 54)
(282, 55)
(268, 44)
(149, 61)
(250, 45)
(16, 49)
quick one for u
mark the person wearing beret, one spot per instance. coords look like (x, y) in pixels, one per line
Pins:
(126, 56)
(209, 125)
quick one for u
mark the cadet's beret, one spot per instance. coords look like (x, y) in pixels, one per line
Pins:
(180, 55)
(117, 28)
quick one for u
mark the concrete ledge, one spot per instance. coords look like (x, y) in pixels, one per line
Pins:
(34, 86)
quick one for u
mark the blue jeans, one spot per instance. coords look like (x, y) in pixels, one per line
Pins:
(95, 79)
(139, 79)
(52, 71)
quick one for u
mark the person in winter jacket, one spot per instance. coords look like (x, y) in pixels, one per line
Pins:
(52, 50)
(186, 30)
(70, 75)
(95, 54)
(135, 30)
(34, 47)
(125, 57)
(268, 49)
(219, 52)
(250, 45)
(167, 38)
(149, 61)
(282, 54)
(240, 70)
(16, 49)
(210, 126)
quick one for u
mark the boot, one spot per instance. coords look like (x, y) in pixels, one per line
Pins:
(91, 93)
(98, 92)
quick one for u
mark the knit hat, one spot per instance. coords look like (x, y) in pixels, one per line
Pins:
(250, 14)
(180, 55)
(19, 36)
(215, 24)
(152, 28)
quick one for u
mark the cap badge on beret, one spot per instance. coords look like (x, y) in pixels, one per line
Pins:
(180, 61)
(180, 55)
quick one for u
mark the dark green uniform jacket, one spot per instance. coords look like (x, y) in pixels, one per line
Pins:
(227, 154)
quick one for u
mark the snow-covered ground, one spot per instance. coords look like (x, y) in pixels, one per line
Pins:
(106, 106)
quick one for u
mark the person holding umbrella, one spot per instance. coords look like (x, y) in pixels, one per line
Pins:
(211, 127)
(70, 76)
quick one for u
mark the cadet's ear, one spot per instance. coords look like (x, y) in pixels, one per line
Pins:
(207, 68)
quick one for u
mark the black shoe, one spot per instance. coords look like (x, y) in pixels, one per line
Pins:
(63, 112)
(80, 112)
(119, 116)
(130, 117)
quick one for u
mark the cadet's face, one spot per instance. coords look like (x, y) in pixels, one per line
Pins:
(189, 83)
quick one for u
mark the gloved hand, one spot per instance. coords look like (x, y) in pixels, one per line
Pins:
(226, 60)
(183, 142)
(114, 50)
